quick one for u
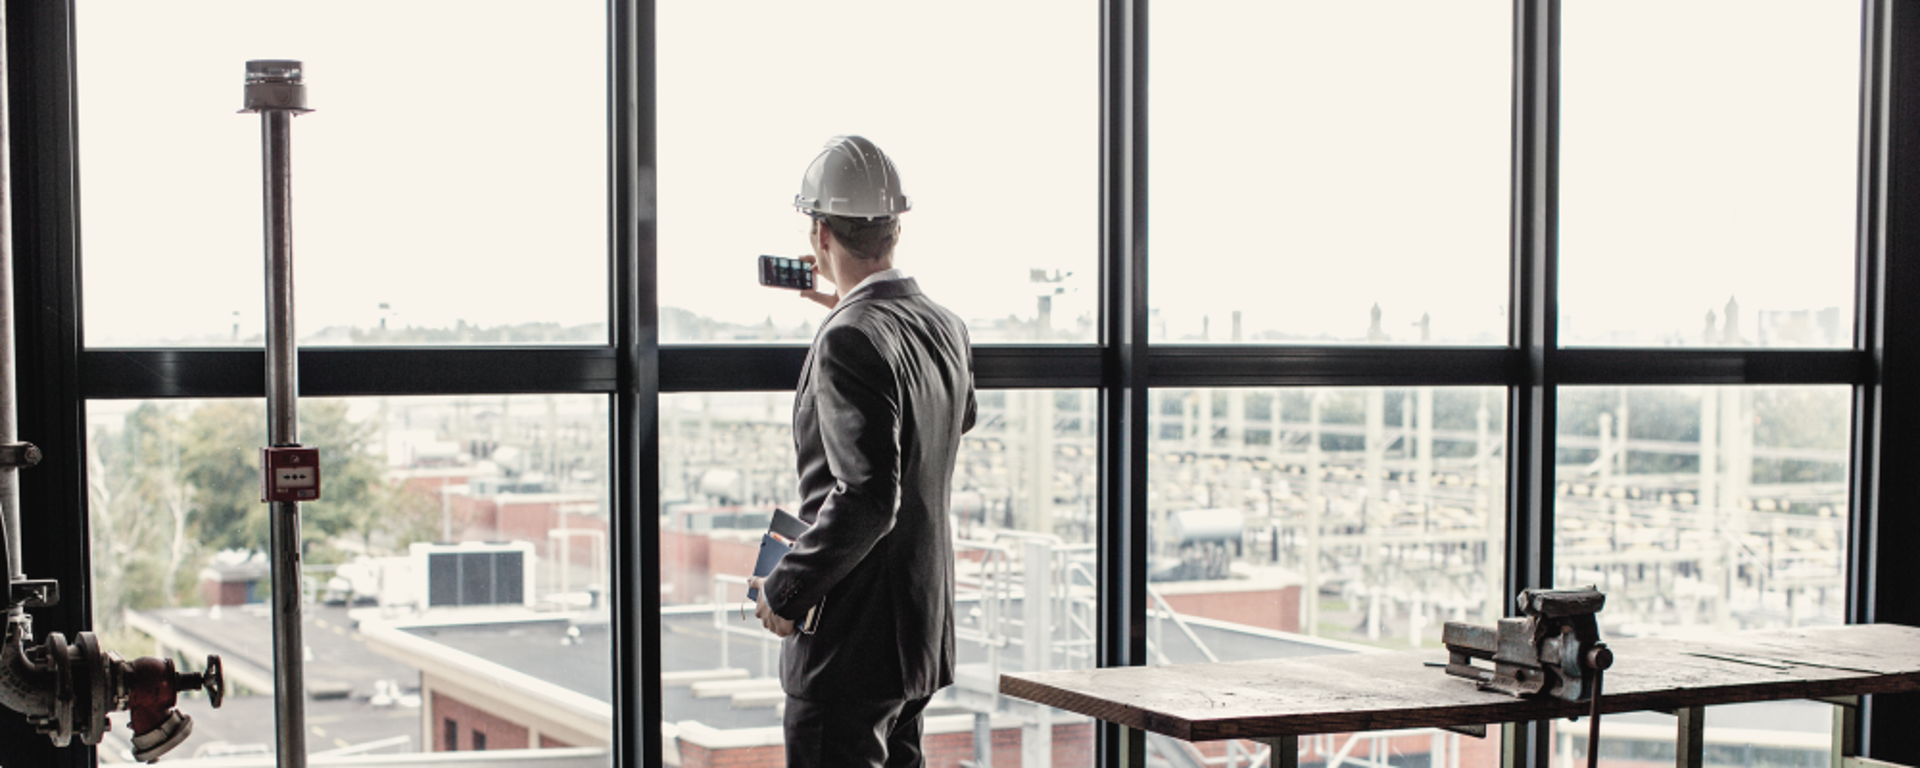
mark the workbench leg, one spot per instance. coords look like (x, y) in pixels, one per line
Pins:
(1133, 746)
(1692, 745)
(982, 739)
(1283, 752)
(1846, 729)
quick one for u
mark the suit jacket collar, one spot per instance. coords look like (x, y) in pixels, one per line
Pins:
(885, 289)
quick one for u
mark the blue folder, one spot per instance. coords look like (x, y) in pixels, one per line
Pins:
(775, 544)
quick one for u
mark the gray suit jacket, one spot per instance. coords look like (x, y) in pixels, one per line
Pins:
(884, 396)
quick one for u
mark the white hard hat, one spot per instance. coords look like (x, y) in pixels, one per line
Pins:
(852, 177)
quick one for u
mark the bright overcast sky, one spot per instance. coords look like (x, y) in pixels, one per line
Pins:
(1310, 159)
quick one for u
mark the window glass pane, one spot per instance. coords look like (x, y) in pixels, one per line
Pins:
(1707, 509)
(1024, 493)
(502, 499)
(1707, 172)
(994, 127)
(1771, 734)
(1291, 522)
(1721, 507)
(450, 187)
(1331, 172)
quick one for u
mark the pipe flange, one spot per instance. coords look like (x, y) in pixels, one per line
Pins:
(93, 700)
(59, 724)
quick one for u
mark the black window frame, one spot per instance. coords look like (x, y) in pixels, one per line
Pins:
(58, 374)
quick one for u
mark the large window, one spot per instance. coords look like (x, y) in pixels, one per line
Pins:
(454, 569)
(1706, 509)
(1448, 244)
(1021, 521)
(1299, 522)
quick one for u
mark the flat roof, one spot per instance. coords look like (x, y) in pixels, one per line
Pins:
(690, 640)
(516, 643)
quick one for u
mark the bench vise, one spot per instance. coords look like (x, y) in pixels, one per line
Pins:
(1552, 649)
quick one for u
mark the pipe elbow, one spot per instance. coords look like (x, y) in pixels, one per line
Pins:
(24, 687)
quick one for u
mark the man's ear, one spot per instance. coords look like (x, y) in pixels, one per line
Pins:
(825, 232)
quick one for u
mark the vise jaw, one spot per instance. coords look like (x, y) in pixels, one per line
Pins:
(1552, 649)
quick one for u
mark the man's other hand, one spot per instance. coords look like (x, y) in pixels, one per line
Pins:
(775, 623)
(828, 300)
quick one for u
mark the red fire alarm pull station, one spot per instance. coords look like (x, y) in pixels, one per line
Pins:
(289, 473)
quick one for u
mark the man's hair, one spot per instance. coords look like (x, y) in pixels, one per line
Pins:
(865, 239)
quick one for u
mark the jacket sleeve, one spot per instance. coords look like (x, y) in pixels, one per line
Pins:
(857, 403)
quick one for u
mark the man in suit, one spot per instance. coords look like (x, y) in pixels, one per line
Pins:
(886, 392)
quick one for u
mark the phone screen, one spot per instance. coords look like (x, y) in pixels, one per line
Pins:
(782, 272)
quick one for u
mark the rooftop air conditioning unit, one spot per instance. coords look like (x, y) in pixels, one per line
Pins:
(474, 573)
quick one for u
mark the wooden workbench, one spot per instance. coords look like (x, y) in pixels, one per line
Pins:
(1373, 691)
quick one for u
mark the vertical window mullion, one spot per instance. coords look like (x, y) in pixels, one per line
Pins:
(1531, 401)
(1870, 248)
(44, 201)
(1881, 588)
(1122, 530)
(633, 257)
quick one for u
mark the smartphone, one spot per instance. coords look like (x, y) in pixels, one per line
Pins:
(782, 272)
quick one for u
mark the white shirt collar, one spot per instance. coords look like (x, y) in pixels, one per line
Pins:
(886, 274)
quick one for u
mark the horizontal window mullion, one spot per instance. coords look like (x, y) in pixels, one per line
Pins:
(757, 368)
(1201, 366)
(344, 372)
(1425, 366)
(730, 368)
(1628, 367)
(112, 374)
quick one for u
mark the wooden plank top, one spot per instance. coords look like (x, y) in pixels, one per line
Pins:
(1344, 693)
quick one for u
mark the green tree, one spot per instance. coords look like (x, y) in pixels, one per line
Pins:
(350, 467)
(400, 516)
(221, 461)
(177, 483)
(220, 458)
(143, 555)
(1802, 417)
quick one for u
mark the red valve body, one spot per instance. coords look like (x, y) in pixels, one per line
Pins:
(150, 693)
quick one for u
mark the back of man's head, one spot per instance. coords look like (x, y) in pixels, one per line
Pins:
(864, 239)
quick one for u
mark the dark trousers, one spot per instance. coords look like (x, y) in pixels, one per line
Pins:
(848, 734)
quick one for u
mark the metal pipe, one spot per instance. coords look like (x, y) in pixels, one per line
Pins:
(282, 361)
(9, 422)
(274, 89)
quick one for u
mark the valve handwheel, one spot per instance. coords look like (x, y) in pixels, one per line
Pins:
(214, 681)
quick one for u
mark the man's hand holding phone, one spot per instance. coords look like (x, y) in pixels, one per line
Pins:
(828, 300)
